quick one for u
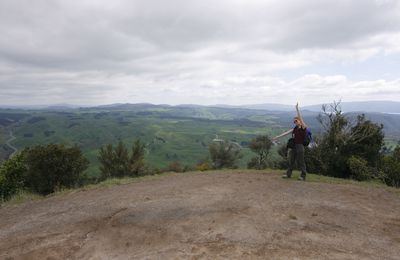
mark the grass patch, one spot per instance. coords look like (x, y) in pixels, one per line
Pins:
(22, 197)
(316, 178)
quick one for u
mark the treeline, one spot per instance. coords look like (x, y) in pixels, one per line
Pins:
(351, 149)
(344, 149)
(45, 169)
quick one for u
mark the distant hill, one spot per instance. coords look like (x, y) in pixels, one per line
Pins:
(266, 106)
(367, 106)
(391, 107)
(172, 133)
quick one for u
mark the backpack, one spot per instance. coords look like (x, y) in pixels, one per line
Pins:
(308, 137)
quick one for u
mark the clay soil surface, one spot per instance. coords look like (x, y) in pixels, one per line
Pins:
(211, 215)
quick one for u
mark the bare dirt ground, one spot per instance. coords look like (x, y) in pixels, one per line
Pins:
(213, 215)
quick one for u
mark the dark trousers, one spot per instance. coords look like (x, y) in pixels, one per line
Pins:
(297, 154)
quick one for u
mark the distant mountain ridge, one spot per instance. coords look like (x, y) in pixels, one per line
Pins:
(390, 107)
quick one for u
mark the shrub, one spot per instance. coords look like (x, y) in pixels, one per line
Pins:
(224, 155)
(53, 167)
(359, 168)
(314, 160)
(136, 161)
(390, 173)
(203, 166)
(11, 177)
(107, 161)
(260, 145)
(116, 162)
(396, 153)
(283, 153)
(342, 139)
(255, 163)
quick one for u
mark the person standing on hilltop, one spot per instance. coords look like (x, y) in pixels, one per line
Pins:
(296, 145)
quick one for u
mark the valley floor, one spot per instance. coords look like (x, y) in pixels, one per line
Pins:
(210, 215)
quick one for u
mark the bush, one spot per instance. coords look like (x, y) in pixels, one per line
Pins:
(283, 153)
(359, 168)
(314, 160)
(11, 177)
(121, 161)
(342, 139)
(116, 162)
(260, 145)
(53, 167)
(255, 163)
(396, 153)
(390, 173)
(203, 166)
(224, 155)
(136, 162)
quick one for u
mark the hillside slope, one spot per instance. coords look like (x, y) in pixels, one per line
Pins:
(207, 215)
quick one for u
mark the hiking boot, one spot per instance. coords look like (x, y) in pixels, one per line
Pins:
(285, 176)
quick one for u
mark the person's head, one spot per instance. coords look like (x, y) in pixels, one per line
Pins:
(296, 121)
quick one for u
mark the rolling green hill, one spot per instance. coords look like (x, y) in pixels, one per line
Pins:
(171, 133)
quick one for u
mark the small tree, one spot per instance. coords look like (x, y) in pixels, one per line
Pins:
(333, 139)
(224, 154)
(136, 161)
(342, 139)
(260, 145)
(121, 160)
(116, 162)
(106, 159)
(365, 140)
(52, 167)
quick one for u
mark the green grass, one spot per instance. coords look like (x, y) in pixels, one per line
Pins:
(374, 183)
(22, 197)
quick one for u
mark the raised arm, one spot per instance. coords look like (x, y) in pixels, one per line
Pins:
(283, 134)
(303, 124)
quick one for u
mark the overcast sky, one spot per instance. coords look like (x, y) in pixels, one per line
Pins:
(202, 52)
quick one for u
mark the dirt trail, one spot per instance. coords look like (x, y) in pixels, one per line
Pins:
(213, 215)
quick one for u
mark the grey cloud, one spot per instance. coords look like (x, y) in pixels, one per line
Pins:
(93, 35)
(97, 47)
(329, 24)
